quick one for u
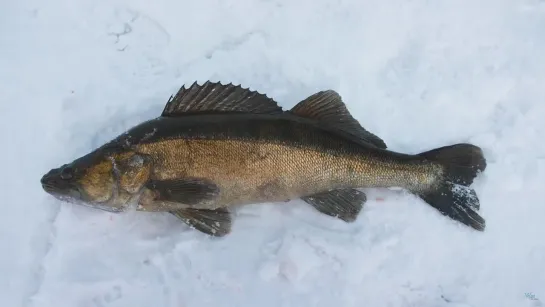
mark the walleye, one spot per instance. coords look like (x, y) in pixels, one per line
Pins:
(217, 146)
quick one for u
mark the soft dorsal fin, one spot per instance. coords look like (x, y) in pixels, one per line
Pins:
(328, 107)
(216, 97)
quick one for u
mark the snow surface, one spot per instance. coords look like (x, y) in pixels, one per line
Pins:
(420, 74)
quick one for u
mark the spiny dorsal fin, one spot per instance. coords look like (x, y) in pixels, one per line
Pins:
(216, 97)
(328, 107)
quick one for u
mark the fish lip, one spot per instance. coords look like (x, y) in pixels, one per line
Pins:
(47, 177)
(53, 184)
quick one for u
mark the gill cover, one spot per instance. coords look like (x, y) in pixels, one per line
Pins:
(131, 171)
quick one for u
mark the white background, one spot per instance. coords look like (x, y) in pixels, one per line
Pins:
(420, 74)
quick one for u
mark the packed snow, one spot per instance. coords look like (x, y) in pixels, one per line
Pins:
(419, 74)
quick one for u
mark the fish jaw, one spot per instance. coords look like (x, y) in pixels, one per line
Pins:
(53, 183)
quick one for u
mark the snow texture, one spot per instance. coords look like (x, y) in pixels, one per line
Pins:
(420, 74)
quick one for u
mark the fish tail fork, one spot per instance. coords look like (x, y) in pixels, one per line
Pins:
(451, 195)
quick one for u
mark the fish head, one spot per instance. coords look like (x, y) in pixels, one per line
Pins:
(102, 179)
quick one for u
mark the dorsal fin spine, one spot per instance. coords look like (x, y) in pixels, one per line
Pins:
(215, 97)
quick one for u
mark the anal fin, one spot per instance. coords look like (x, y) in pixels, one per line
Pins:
(344, 204)
(215, 223)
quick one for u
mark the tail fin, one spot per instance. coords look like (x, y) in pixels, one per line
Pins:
(453, 197)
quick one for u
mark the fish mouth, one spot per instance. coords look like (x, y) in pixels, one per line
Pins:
(63, 189)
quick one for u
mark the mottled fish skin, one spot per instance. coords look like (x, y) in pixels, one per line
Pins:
(216, 146)
(257, 158)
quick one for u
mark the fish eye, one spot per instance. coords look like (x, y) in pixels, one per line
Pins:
(67, 173)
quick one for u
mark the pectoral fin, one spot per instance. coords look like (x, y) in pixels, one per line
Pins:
(216, 223)
(188, 191)
(345, 204)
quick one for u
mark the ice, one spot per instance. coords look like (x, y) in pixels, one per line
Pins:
(419, 74)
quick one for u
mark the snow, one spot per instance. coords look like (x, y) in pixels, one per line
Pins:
(420, 74)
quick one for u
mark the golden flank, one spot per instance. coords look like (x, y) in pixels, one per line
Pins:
(216, 146)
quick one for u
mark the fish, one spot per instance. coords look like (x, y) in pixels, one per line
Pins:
(219, 146)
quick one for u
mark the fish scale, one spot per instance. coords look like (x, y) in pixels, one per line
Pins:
(217, 146)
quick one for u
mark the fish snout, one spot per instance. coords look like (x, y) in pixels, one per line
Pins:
(58, 182)
(49, 180)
